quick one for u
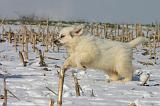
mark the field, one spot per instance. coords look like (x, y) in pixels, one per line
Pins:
(30, 64)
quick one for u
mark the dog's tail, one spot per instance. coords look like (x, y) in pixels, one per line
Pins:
(137, 41)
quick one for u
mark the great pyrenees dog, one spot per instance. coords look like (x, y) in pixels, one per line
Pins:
(86, 51)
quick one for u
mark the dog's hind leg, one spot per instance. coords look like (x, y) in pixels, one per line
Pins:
(123, 64)
(113, 75)
(125, 71)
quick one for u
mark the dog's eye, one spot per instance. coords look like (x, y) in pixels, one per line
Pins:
(62, 36)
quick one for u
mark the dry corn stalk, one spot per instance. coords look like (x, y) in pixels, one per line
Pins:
(22, 59)
(41, 57)
(51, 102)
(51, 91)
(150, 48)
(25, 56)
(3, 33)
(13, 95)
(155, 58)
(47, 43)
(132, 104)
(5, 93)
(2, 22)
(60, 86)
(15, 42)
(92, 94)
(23, 43)
(26, 47)
(33, 42)
(77, 86)
(9, 37)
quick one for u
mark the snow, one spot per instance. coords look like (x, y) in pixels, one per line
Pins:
(30, 83)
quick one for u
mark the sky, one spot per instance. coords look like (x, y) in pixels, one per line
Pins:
(115, 11)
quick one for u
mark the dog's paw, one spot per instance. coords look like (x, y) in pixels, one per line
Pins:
(80, 67)
(66, 66)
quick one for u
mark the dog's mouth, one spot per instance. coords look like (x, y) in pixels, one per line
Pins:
(58, 43)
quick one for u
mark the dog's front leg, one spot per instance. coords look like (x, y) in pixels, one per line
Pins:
(73, 61)
(79, 64)
(67, 63)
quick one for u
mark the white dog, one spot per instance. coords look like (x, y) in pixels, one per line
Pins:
(86, 51)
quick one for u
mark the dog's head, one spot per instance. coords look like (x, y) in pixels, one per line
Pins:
(67, 34)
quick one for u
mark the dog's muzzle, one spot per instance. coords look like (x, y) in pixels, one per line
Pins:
(57, 42)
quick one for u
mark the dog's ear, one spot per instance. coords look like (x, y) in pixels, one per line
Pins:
(77, 31)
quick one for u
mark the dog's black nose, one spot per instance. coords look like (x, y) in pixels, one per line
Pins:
(57, 42)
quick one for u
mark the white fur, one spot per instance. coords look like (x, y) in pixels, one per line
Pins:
(86, 51)
(137, 41)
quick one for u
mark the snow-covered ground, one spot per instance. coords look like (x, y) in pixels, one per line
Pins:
(30, 84)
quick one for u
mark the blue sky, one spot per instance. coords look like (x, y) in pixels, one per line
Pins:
(116, 11)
